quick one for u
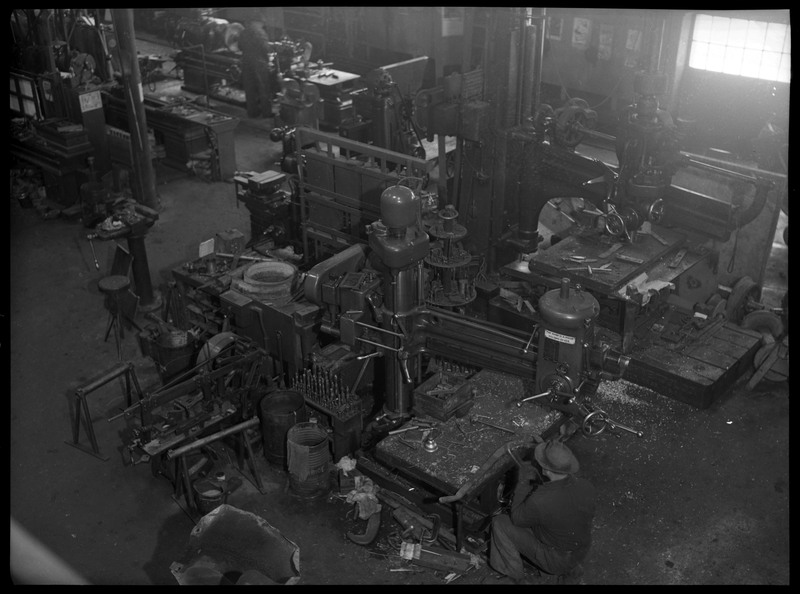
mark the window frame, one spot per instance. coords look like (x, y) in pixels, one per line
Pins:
(731, 56)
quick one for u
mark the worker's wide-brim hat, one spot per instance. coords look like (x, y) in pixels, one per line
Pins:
(556, 457)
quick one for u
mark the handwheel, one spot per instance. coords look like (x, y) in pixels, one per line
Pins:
(765, 322)
(779, 372)
(743, 291)
(590, 423)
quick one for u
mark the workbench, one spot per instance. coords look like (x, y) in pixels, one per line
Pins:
(63, 167)
(185, 130)
(464, 446)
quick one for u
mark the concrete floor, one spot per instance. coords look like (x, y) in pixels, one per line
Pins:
(702, 498)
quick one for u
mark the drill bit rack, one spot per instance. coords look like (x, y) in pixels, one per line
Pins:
(340, 408)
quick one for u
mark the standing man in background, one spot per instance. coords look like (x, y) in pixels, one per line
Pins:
(256, 48)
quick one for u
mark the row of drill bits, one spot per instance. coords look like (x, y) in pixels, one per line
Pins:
(450, 367)
(326, 390)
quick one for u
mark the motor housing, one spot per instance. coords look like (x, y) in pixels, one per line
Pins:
(565, 337)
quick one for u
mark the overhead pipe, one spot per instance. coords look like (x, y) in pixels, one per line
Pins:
(541, 21)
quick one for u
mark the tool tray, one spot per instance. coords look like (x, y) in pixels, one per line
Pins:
(444, 395)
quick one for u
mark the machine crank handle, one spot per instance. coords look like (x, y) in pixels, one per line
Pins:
(402, 357)
(542, 395)
(614, 425)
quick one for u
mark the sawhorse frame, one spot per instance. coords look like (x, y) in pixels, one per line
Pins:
(82, 405)
(183, 482)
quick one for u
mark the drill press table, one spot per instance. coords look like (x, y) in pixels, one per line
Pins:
(464, 446)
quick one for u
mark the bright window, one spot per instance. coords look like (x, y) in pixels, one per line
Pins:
(756, 49)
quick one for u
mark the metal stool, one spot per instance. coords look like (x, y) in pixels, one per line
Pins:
(113, 287)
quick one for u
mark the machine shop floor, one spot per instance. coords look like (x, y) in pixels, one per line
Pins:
(702, 498)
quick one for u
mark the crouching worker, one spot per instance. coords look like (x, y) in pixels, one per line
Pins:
(549, 523)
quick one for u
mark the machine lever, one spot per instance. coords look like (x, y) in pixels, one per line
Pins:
(402, 357)
(615, 425)
(542, 395)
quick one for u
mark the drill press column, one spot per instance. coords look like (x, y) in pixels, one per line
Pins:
(399, 243)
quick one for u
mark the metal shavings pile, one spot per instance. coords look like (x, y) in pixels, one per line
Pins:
(620, 391)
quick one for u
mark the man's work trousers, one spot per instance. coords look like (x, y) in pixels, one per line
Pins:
(510, 541)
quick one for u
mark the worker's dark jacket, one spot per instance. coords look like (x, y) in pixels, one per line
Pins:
(255, 46)
(560, 514)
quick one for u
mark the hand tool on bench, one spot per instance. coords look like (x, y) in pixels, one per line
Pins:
(610, 251)
(675, 262)
(416, 425)
(631, 259)
(474, 419)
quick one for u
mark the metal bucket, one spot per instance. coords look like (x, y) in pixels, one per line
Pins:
(270, 281)
(279, 412)
(309, 460)
(208, 495)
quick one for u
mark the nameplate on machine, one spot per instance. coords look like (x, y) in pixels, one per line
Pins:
(559, 337)
(90, 101)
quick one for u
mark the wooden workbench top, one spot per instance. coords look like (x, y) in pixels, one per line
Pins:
(464, 446)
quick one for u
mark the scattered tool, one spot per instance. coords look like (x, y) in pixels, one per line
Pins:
(654, 235)
(590, 270)
(90, 237)
(631, 259)
(610, 251)
(603, 268)
(474, 419)
(419, 425)
(579, 259)
(676, 261)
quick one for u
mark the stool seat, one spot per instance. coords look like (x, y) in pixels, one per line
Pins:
(116, 283)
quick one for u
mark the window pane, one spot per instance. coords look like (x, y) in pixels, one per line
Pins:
(719, 30)
(776, 35)
(756, 31)
(751, 62)
(702, 27)
(737, 46)
(699, 55)
(785, 70)
(12, 85)
(716, 57)
(738, 33)
(733, 61)
(30, 107)
(25, 88)
(770, 64)
(14, 103)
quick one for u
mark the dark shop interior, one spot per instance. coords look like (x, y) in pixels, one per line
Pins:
(383, 295)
